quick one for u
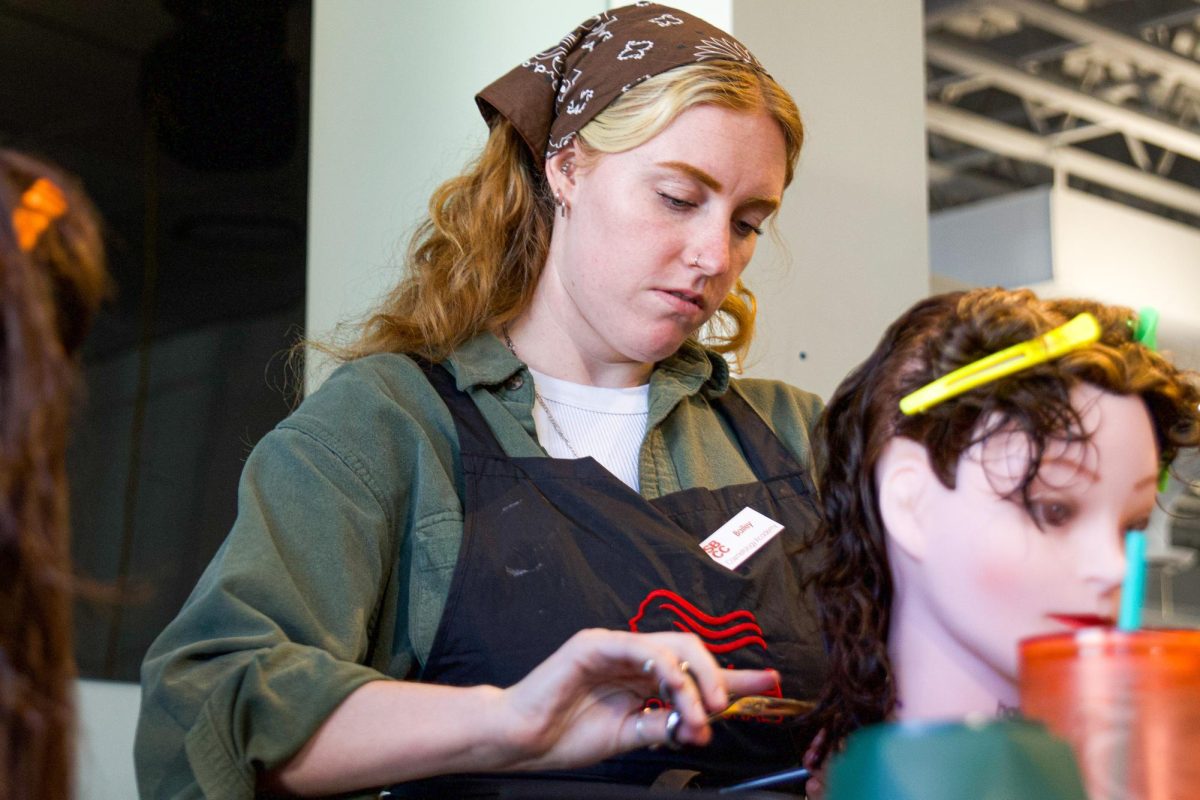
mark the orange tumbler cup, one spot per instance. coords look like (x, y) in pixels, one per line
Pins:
(1128, 702)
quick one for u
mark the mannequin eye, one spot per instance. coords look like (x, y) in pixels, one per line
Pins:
(1053, 513)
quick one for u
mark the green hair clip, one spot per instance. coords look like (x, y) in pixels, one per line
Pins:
(1145, 333)
(1145, 330)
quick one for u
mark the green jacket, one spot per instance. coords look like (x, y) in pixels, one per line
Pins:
(348, 528)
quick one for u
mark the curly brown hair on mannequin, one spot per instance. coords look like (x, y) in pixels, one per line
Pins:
(933, 338)
(52, 280)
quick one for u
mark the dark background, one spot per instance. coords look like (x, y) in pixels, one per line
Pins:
(187, 121)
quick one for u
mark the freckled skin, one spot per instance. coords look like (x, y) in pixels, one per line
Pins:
(607, 306)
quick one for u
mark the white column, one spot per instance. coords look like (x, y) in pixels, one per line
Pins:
(855, 242)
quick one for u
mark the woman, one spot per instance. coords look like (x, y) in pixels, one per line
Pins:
(52, 279)
(981, 518)
(404, 546)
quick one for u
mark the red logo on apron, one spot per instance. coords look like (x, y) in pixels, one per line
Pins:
(731, 631)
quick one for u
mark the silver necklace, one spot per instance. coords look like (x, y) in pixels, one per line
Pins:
(538, 396)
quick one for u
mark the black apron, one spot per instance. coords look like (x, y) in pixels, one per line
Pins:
(551, 546)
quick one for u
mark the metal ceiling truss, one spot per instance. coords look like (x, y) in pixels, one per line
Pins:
(1103, 93)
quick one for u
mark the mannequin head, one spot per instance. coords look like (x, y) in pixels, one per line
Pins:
(991, 516)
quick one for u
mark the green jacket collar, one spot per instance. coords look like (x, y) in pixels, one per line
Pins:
(485, 361)
(482, 361)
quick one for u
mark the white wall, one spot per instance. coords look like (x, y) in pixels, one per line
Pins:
(393, 115)
(104, 756)
(1116, 254)
(1121, 255)
(854, 221)
(716, 12)
(1004, 241)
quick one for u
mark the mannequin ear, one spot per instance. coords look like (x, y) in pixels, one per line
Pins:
(902, 476)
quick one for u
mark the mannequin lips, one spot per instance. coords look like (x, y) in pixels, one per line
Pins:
(1076, 621)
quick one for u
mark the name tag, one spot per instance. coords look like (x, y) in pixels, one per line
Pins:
(740, 538)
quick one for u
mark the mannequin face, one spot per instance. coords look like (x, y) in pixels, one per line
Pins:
(979, 572)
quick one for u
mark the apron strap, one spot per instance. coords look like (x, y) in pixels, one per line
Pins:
(761, 447)
(475, 437)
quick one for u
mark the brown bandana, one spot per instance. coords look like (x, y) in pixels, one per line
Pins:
(555, 93)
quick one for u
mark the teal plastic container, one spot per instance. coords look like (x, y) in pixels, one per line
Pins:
(989, 760)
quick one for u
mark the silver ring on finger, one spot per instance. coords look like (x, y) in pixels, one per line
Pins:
(673, 720)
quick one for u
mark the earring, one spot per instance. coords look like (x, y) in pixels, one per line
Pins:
(561, 202)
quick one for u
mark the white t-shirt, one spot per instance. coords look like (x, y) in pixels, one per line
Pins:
(604, 423)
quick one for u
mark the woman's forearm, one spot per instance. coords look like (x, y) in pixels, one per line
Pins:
(582, 704)
(392, 731)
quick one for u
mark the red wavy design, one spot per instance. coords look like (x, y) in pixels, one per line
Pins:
(710, 633)
(715, 631)
(691, 609)
(725, 647)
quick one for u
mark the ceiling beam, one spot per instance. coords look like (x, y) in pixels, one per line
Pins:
(1056, 19)
(973, 61)
(1006, 140)
(938, 11)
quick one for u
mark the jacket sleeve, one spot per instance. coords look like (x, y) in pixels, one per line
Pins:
(279, 630)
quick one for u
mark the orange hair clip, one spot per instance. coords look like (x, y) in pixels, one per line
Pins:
(41, 204)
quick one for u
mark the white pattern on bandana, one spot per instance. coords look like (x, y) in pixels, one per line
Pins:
(666, 20)
(578, 108)
(725, 49)
(567, 85)
(554, 146)
(553, 57)
(631, 84)
(600, 33)
(635, 49)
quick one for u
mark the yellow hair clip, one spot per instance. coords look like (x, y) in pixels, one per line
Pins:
(1079, 332)
(41, 204)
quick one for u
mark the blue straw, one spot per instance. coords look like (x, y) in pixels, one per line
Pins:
(794, 775)
(1134, 587)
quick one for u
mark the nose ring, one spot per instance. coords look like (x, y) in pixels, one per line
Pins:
(696, 261)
